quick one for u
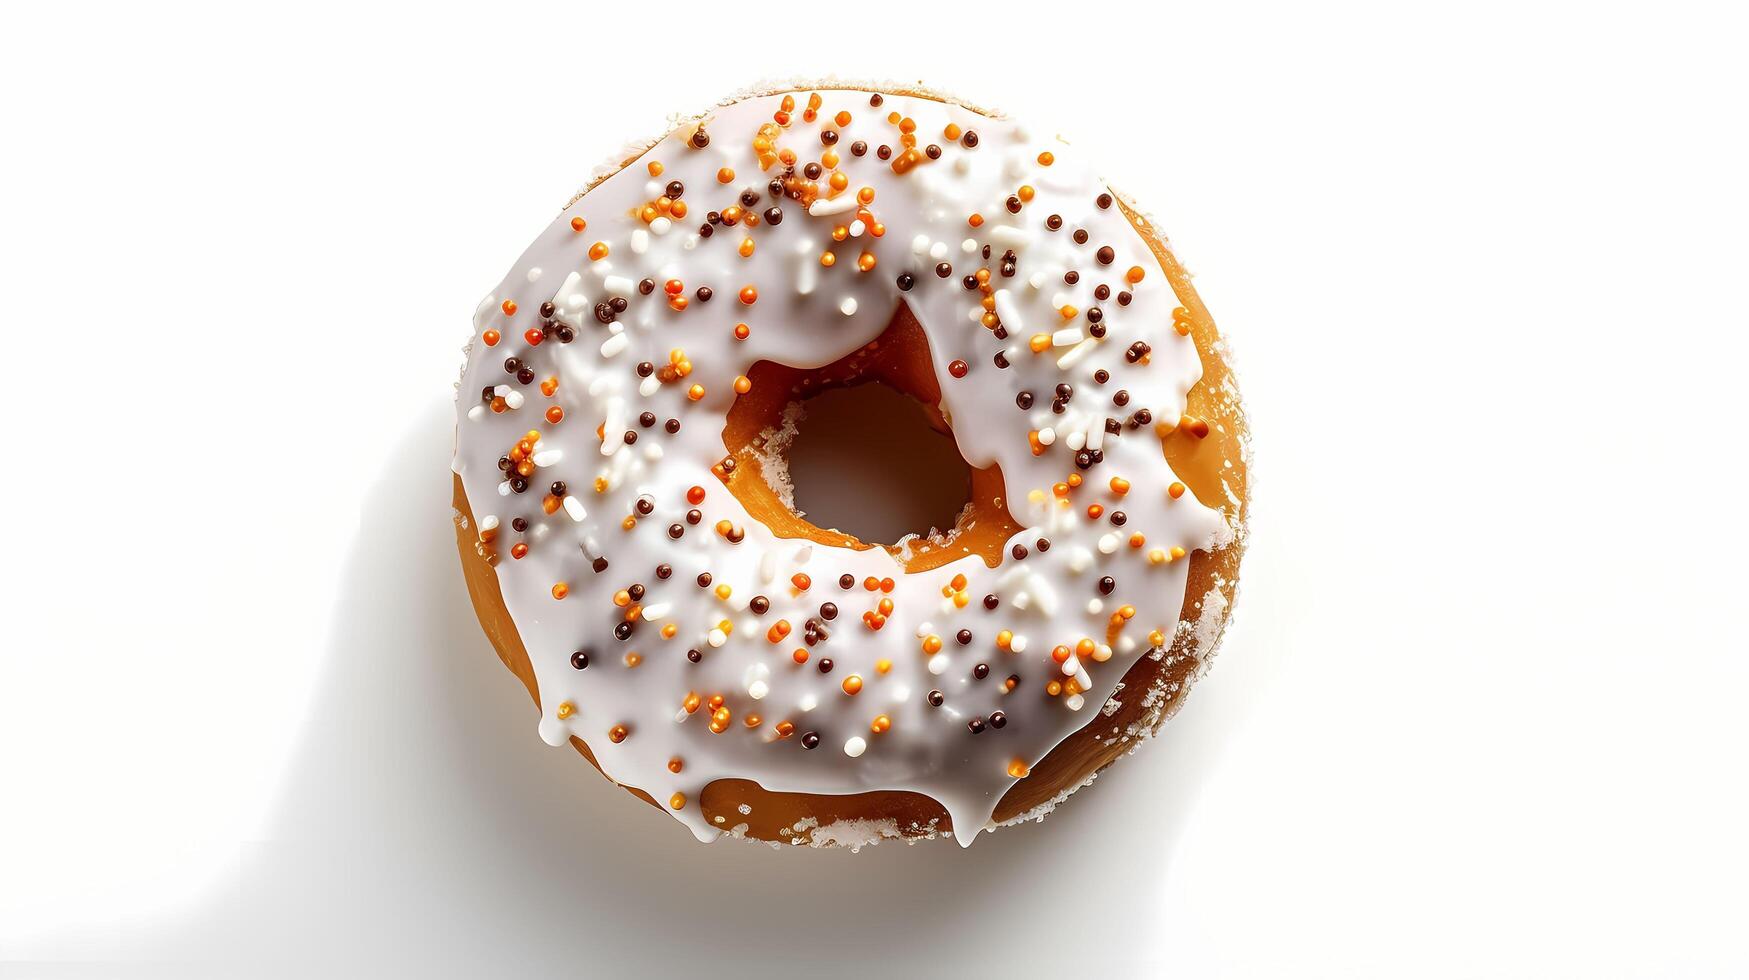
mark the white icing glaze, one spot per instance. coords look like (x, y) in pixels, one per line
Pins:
(809, 315)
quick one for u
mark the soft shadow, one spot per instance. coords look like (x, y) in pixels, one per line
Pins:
(424, 825)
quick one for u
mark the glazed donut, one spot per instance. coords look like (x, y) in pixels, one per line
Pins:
(622, 515)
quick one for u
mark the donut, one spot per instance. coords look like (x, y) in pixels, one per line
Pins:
(633, 553)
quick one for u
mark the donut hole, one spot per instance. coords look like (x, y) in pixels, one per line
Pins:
(857, 454)
(866, 461)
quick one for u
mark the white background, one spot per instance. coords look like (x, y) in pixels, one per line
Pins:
(1481, 710)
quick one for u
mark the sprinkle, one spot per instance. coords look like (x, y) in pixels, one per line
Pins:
(856, 746)
(677, 801)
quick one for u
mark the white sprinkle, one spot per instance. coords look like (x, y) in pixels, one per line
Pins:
(919, 248)
(1010, 237)
(504, 489)
(855, 747)
(619, 285)
(1047, 436)
(848, 307)
(1075, 702)
(809, 271)
(1107, 544)
(489, 522)
(612, 346)
(661, 226)
(758, 690)
(1096, 434)
(1044, 593)
(938, 251)
(1008, 313)
(1066, 337)
(649, 386)
(924, 629)
(574, 508)
(807, 702)
(534, 274)
(857, 228)
(1073, 355)
(513, 399)
(717, 638)
(1095, 606)
(654, 611)
(830, 206)
(969, 246)
(640, 242)
(1080, 559)
(1076, 441)
(476, 413)
(938, 664)
(1017, 644)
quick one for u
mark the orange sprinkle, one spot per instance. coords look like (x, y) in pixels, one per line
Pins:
(746, 248)
(743, 384)
(598, 251)
(676, 764)
(578, 224)
(880, 724)
(801, 581)
(695, 392)
(561, 590)
(749, 295)
(1119, 485)
(1017, 767)
(555, 414)
(799, 655)
(509, 307)
(677, 801)
(566, 710)
(725, 175)
(695, 496)
(1135, 274)
(1026, 192)
(852, 684)
(617, 734)
(1175, 491)
(742, 331)
(655, 168)
(1046, 158)
(491, 338)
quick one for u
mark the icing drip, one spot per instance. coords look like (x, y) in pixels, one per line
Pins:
(675, 684)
